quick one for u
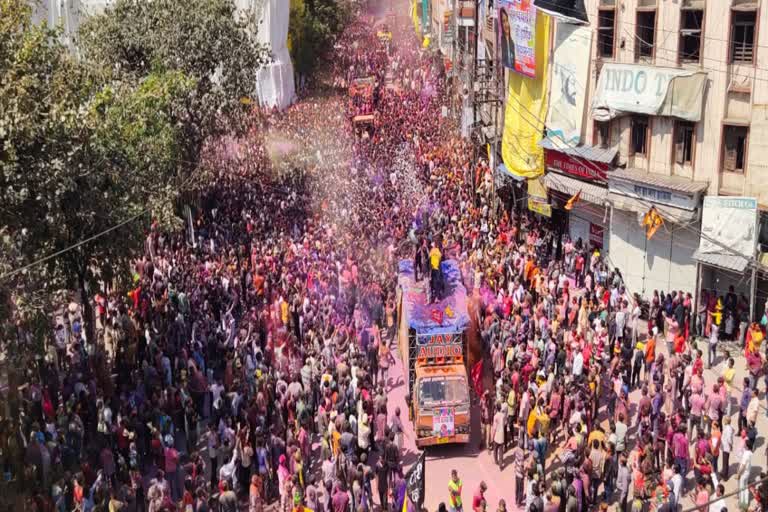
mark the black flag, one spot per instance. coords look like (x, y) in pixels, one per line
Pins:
(415, 482)
(570, 11)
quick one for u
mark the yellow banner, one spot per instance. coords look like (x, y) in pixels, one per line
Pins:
(542, 208)
(526, 111)
(415, 14)
(536, 189)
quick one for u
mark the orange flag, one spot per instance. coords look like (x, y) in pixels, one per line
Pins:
(652, 222)
(573, 200)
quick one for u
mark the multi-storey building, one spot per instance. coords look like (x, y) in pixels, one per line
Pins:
(676, 109)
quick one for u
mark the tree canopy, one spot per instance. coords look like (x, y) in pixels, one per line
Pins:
(109, 138)
(313, 26)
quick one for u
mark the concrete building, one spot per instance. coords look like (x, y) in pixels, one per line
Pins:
(682, 114)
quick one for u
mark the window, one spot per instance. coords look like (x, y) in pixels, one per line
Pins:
(645, 35)
(606, 33)
(691, 25)
(743, 36)
(684, 143)
(735, 148)
(638, 145)
(603, 134)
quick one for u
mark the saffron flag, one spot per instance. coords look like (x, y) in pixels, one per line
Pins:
(573, 200)
(477, 377)
(652, 222)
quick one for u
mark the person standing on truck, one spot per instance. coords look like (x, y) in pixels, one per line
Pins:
(420, 260)
(454, 492)
(435, 256)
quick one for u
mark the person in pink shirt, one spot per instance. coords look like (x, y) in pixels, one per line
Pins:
(714, 407)
(697, 383)
(171, 466)
(702, 497)
(680, 450)
(672, 330)
(697, 402)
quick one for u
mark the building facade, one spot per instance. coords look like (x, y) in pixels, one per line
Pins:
(676, 109)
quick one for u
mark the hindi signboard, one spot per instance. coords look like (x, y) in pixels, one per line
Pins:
(517, 31)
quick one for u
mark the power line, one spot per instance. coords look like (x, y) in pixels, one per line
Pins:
(703, 36)
(595, 172)
(130, 219)
(72, 247)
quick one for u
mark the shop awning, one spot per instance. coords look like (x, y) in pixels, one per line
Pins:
(641, 207)
(730, 262)
(586, 152)
(677, 199)
(570, 186)
(675, 183)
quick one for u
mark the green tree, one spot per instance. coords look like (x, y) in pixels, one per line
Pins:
(208, 41)
(313, 26)
(109, 140)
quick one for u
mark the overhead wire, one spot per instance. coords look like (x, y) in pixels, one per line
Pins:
(100, 234)
(595, 172)
(670, 51)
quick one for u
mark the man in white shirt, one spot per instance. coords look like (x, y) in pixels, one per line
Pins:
(636, 312)
(726, 441)
(745, 468)
(676, 488)
(578, 364)
(718, 505)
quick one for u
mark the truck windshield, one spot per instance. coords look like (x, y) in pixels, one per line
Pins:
(442, 391)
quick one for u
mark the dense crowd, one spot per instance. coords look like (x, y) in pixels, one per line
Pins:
(252, 366)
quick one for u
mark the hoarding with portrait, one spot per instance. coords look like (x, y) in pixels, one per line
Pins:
(517, 31)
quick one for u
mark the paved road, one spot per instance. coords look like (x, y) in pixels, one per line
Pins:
(475, 466)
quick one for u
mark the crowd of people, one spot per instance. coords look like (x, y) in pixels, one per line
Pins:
(250, 367)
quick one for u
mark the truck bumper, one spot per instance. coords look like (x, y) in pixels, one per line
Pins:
(434, 440)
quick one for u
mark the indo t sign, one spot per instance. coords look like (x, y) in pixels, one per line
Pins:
(652, 90)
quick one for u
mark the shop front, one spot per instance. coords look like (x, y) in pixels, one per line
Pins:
(728, 248)
(665, 262)
(581, 171)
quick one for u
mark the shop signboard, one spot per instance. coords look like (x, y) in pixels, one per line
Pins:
(651, 90)
(580, 168)
(653, 194)
(540, 207)
(730, 225)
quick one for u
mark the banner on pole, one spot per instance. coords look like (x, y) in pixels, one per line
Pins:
(570, 74)
(525, 111)
(414, 481)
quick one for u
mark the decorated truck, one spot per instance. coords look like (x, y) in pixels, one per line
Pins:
(434, 339)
